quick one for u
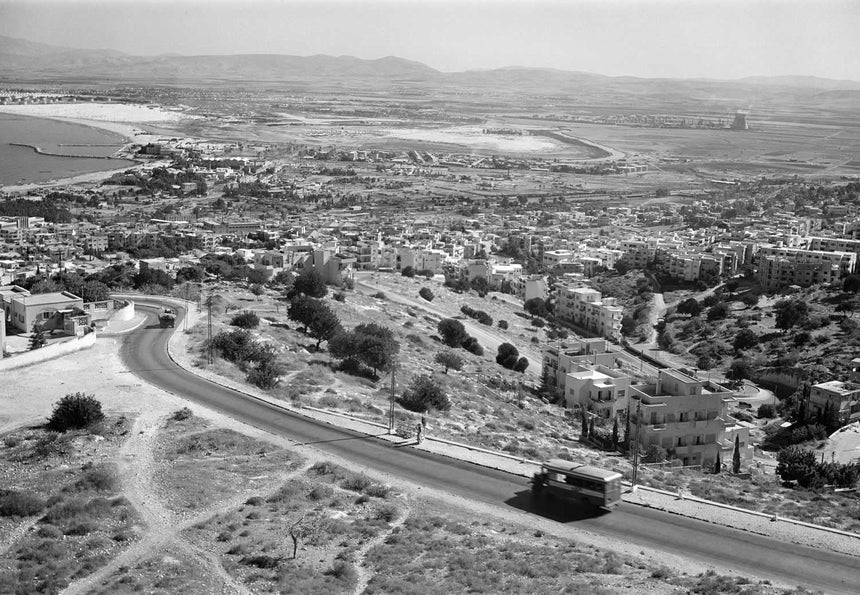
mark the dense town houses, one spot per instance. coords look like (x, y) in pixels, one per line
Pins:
(286, 215)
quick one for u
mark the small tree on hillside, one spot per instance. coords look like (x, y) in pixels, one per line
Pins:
(453, 332)
(449, 359)
(408, 271)
(378, 346)
(507, 356)
(423, 395)
(471, 345)
(521, 365)
(790, 313)
(689, 306)
(718, 311)
(745, 339)
(426, 293)
(536, 307)
(718, 464)
(309, 283)
(320, 321)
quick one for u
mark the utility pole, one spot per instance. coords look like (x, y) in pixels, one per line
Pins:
(209, 332)
(635, 445)
(391, 402)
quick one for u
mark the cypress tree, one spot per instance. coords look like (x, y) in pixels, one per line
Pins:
(584, 416)
(736, 456)
(615, 434)
(718, 464)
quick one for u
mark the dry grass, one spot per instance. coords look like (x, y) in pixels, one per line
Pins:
(201, 466)
(81, 518)
(334, 512)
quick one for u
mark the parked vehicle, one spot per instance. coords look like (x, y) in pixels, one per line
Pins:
(167, 318)
(566, 480)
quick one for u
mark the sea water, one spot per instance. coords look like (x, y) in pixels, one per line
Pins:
(73, 149)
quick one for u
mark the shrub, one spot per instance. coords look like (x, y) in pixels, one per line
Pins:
(478, 315)
(356, 482)
(503, 324)
(472, 346)
(342, 571)
(408, 271)
(182, 414)
(521, 365)
(339, 296)
(425, 293)
(74, 411)
(380, 295)
(19, 503)
(655, 454)
(261, 561)
(766, 411)
(265, 375)
(718, 311)
(246, 320)
(424, 394)
(102, 478)
(507, 355)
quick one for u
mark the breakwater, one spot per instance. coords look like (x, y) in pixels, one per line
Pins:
(41, 151)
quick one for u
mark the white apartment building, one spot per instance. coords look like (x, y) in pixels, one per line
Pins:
(527, 287)
(600, 389)
(584, 307)
(779, 266)
(558, 361)
(844, 397)
(420, 259)
(552, 258)
(689, 418)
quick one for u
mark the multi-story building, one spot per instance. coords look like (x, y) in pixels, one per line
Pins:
(558, 361)
(843, 397)
(527, 287)
(584, 307)
(688, 418)
(779, 266)
(600, 389)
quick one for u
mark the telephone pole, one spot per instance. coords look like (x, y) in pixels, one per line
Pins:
(391, 402)
(209, 332)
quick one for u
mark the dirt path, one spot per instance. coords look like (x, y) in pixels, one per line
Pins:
(363, 575)
(162, 526)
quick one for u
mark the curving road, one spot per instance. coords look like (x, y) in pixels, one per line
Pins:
(145, 353)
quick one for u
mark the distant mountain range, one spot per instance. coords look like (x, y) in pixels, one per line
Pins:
(26, 61)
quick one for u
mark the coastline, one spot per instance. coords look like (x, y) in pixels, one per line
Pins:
(128, 133)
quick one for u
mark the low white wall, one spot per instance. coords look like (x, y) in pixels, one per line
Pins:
(124, 313)
(48, 352)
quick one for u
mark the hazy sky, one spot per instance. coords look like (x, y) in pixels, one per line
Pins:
(671, 38)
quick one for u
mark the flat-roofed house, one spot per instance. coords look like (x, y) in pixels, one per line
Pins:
(50, 309)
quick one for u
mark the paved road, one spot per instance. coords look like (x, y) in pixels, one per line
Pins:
(144, 352)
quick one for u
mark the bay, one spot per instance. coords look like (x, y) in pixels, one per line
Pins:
(72, 149)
